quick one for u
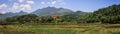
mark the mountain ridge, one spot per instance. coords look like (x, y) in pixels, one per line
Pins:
(51, 10)
(48, 11)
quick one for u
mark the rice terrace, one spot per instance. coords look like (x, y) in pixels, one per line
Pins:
(59, 16)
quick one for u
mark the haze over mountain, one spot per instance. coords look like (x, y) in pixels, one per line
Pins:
(52, 10)
(10, 14)
(48, 11)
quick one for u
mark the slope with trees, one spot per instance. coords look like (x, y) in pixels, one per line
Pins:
(109, 15)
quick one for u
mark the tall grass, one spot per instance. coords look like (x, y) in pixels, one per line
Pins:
(61, 29)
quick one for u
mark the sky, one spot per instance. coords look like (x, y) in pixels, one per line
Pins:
(75, 5)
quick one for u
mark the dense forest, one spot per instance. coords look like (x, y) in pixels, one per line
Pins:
(108, 15)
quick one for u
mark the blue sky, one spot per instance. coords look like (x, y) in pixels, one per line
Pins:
(32, 5)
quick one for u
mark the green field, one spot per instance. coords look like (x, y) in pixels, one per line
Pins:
(61, 29)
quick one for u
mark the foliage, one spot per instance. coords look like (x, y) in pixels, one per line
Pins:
(109, 15)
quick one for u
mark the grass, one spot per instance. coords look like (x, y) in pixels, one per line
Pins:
(61, 29)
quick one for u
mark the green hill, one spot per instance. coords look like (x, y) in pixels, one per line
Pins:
(109, 14)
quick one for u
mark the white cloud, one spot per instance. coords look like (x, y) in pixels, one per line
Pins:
(42, 2)
(25, 7)
(54, 2)
(3, 6)
(15, 6)
(20, 1)
(30, 2)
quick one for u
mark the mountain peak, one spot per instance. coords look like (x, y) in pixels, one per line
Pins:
(50, 7)
(51, 10)
(22, 12)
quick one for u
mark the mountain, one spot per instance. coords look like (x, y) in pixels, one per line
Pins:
(109, 15)
(77, 14)
(10, 14)
(48, 11)
(52, 10)
(21, 13)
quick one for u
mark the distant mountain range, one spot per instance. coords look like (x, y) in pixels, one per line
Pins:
(52, 10)
(10, 14)
(42, 12)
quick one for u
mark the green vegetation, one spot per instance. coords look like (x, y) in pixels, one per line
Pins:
(99, 22)
(108, 15)
(32, 18)
(62, 29)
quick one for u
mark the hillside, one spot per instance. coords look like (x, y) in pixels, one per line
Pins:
(52, 10)
(109, 15)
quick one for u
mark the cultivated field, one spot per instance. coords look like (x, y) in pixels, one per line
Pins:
(61, 29)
